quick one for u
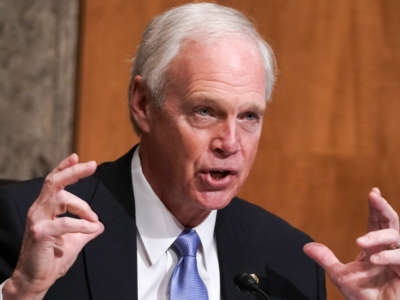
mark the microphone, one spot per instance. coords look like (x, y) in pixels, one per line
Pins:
(249, 282)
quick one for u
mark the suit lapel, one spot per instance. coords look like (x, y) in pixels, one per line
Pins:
(111, 258)
(232, 260)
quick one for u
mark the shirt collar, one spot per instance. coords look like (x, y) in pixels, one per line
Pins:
(157, 227)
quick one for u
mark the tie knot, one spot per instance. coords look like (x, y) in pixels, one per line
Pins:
(187, 242)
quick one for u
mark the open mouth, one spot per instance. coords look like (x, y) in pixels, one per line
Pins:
(217, 178)
(219, 174)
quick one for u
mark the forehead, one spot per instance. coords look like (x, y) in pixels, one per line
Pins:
(227, 65)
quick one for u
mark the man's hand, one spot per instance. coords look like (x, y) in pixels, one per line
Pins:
(52, 243)
(375, 273)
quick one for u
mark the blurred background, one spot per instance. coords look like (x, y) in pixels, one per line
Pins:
(331, 132)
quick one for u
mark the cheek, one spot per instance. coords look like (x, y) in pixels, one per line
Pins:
(184, 155)
(250, 148)
(195, 142)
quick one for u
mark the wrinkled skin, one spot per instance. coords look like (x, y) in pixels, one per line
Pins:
(198, 149)
(51, 244)
(196, 152)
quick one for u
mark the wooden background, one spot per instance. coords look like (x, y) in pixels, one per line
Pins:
(331, 132)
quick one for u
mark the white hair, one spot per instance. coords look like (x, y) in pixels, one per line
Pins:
(201, 22)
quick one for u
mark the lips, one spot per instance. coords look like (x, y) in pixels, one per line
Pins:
(217, 179)
(219, 174)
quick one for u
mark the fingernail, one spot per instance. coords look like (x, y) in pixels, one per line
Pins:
(361, 240)
(73, 157)
(376, 190)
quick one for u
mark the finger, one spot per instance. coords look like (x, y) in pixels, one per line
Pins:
(381, 214)
(60, 226)
(82, 239)
(61, 203)
(73, 173)
(88, 237)
(386, 257)
(373, 239)
(323, 256)
(66, 201)
(70, 160)
(57, 181)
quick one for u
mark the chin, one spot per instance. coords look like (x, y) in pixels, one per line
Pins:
(215, 200)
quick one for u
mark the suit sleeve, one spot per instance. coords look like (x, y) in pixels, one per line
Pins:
(15, 201)
(10, 235)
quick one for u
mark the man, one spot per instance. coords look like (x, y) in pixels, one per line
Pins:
(197, 98)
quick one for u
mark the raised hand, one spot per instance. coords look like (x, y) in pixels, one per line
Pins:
(375, 273)
(52, 243)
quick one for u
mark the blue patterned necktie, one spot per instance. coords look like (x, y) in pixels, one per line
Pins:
(186, 283)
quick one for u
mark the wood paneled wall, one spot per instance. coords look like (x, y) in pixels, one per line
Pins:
(331, 132)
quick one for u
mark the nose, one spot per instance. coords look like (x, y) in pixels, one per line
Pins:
(226, 140)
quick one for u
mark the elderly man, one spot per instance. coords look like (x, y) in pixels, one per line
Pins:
(167, 222)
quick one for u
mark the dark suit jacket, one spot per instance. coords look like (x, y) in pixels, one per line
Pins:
(249, 239)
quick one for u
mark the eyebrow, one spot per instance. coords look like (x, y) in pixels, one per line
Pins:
(205, 100)
(256, 108)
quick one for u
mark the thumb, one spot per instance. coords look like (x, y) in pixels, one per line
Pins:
(323, 256)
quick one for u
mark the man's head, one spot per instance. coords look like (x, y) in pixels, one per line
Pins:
(202, 22)
(199, 143)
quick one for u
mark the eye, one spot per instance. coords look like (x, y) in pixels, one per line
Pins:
(203, 111)
(249, 116)
(202, 116)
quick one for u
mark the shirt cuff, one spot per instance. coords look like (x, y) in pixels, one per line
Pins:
(1, 289)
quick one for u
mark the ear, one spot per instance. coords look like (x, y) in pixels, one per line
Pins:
(139, 101)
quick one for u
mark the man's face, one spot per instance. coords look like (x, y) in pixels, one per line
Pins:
(201, 144)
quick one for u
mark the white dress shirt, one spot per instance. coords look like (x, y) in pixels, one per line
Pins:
(157, 229)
